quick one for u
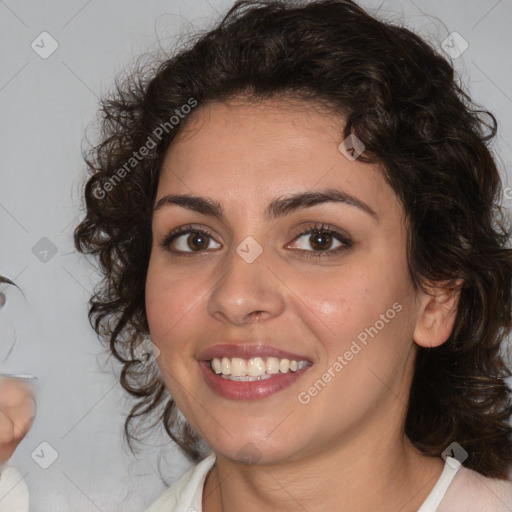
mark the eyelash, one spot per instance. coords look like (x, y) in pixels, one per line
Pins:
(318, 228)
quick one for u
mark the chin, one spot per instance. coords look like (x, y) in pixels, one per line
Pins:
(253, 452)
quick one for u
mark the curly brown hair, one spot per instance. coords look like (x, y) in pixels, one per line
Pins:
(404, 101)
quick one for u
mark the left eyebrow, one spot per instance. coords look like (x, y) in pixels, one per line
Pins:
(286, 205)
(277, 208)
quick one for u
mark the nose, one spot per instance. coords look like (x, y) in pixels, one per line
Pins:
(247, 292)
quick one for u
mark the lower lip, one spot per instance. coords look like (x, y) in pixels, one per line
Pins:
(249, 390)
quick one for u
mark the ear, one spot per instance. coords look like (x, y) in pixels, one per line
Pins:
(437, 312)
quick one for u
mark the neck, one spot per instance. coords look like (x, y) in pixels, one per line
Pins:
(367, 476)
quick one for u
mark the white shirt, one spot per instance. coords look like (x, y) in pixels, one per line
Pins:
(13, 491)
(469, 492)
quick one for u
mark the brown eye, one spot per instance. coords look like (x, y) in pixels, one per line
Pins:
(318, 241)
(321, 241)
(197, 241)
(188, 240)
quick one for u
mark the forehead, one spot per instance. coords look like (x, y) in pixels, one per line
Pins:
(281, 131)
(241, 149)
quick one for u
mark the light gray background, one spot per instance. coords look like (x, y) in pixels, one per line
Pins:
(45, 106)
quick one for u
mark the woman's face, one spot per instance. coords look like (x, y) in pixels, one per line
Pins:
(287, 248)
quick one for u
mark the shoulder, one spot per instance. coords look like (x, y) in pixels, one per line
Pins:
(472, 492)
(187, 491)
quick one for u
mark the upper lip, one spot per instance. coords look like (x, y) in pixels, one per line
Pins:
(248, 351)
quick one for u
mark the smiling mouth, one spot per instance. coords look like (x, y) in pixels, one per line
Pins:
(254, 369)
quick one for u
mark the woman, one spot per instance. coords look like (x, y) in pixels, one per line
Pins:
(297, 216)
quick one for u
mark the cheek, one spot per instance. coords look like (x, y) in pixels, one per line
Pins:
(361, 322)
(169, 306)
(354, 302)
(168, 301)
(338, 303)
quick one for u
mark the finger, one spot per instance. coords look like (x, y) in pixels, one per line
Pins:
(6, 451)
(6, 429)
(14, 392)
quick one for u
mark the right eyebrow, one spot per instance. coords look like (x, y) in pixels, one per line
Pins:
(198, 204)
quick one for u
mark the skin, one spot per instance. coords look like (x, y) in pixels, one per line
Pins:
(17, 408)
(327, 454)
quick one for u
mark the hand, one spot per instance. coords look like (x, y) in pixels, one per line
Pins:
(17, 410)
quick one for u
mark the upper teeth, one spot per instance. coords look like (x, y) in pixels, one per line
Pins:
(254, 367)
